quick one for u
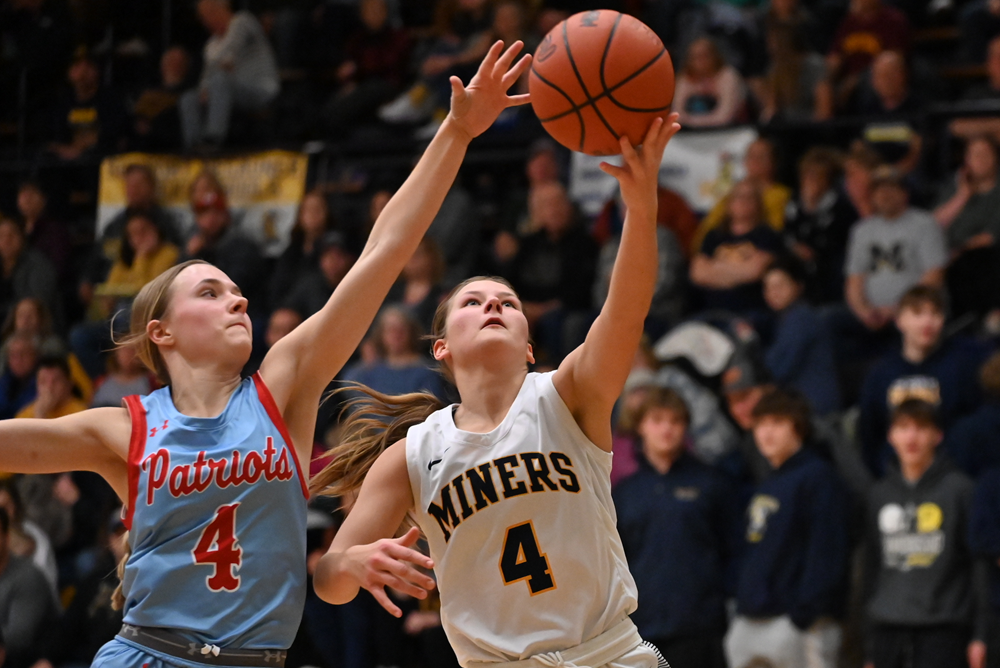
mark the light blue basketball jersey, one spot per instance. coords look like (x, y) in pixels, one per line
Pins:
(217, 519)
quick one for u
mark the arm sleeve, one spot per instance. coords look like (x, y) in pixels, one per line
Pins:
(856, 260)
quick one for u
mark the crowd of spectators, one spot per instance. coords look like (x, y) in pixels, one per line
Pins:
(807, 451)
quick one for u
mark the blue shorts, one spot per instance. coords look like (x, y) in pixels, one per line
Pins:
(120, 653)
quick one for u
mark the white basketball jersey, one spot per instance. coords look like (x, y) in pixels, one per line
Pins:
(521, 528)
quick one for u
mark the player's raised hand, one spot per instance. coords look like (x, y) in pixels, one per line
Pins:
(476, 106)
(638, 176)
(387, 563)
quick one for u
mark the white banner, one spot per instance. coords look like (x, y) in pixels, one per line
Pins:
(263, 191)
(701, 166)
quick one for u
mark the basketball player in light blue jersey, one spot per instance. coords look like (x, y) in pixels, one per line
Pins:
(511, 487)
(209, 466)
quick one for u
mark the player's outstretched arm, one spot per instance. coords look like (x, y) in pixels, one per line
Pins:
(364, 553)
(94, 440)
(301, 365)
(591, 377)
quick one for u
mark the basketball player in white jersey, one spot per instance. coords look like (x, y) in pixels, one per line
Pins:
(510, 487)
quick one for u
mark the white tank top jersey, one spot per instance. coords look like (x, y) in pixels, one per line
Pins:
(521, 528)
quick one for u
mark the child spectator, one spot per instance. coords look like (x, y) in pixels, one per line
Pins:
(941, 372)
(818, 222)
(793, 578)
(709, 91)
(926, 608)
(800, 354)
(733, 256)
(677, 519)
(973, 442)
(55, 392)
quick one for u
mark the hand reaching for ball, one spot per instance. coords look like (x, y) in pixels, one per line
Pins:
(476, 106)
(638, 176)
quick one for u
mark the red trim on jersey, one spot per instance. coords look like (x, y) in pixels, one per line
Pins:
(272, 412)
(136, 449)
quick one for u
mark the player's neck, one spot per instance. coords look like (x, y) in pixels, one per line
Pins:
(201, 392)
(486, 399)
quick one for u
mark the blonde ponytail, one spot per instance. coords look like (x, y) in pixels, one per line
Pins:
(118, 595)
(374, 422)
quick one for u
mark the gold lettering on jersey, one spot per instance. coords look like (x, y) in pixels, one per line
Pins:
(542, 473)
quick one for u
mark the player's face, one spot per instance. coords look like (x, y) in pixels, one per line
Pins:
(776, 438)
(207, 319)
(662, 432)
(913, 442)
(485, 321)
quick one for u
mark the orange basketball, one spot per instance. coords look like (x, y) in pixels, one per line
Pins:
(599, 75)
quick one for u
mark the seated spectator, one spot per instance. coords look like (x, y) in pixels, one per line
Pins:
(860, 164)
(817, 224)
(759, 164)
(90, 621)
(456, 229)
(973, 442)
(373, 71)
(27, 606)
(26, 539)
(140, 195)
(462, 34)
(668, 298)
(542, 166)
(941, 372)
(890, 252)
(42, 232)
(553, 272)
(89, 120)
(895, 110)
(734, 255)
(157, 115)
(400, 368)
(678, 523)
(797, 17)
(126, 375)
(55, 392)
(31, 318)
(987, 93)
(795, 87)
(239, 73)
(26, 272)
(314, 289)
(742, 385)
(926, 608)
(869, 28)
(218, 240)
(17, 383)
(312, 221)
(800, 354)
(792, 584)
(972, 228)
(709, 91)
(419, 289)
(144, 255)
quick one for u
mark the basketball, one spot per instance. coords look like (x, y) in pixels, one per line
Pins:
(599, 75)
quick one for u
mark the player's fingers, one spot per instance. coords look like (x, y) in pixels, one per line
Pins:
(490, 61)
(403, 570)
(653, 133)
(457, 89)
(409, 538)
(628, 152)
(515, 72)
(404, 587)
(504, 61)
(379, 594)
(514, 100)
(612, 170)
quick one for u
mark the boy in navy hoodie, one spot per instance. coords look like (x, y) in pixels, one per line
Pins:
(940, 372)
(677, 519)
(793, 577)
(926, 605)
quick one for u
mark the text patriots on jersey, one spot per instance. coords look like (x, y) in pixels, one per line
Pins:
(184, 479)
(482, 485)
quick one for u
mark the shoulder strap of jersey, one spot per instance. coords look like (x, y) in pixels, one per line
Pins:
(136, 449)
(267, 401)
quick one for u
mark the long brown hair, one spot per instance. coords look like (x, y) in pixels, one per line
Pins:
(374, 421)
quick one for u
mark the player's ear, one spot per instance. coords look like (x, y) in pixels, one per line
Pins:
(158, 334)
(531, 354)
(440, 350)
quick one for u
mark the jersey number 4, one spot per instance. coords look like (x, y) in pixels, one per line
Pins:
(217, 548)
(522, 559)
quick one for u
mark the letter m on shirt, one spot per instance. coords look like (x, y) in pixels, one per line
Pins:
(445, 513)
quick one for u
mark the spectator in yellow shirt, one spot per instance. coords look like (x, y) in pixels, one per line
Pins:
(144, 256)
(55, 392)
(759, 165)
